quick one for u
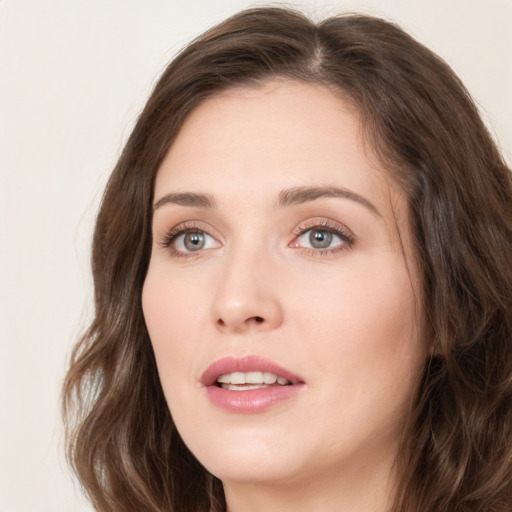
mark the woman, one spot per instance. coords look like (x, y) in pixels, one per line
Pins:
(303, 284)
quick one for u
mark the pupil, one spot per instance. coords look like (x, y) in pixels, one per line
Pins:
(320, 239)
(194, 241)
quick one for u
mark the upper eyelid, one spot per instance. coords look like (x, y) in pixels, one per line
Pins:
(326, 224)
(188, 225)
(170, 235)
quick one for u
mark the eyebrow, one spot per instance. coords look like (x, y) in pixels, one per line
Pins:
(287, 197)
(299, 195)
(186, 199)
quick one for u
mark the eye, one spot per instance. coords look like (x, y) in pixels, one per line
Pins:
(193, 241)
(185, 240)
(319, 238)
(323, 239)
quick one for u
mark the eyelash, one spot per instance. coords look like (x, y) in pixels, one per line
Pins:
(173, 234)
(344, 235)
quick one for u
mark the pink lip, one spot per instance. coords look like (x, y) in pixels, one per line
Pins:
(250, 401)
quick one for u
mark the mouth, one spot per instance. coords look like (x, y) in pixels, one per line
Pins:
(250, 384)
(248, 371)
(244, 381)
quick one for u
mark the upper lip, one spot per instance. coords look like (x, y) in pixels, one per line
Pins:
(250, 363)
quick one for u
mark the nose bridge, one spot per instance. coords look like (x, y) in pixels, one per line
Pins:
(246, 297)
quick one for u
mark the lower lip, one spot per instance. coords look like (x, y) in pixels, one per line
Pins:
(253, 400)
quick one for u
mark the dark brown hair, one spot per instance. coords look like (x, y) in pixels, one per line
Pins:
(456, 453)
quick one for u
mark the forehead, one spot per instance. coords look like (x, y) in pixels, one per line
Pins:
(257, 141)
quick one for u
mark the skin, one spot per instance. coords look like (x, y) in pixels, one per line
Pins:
(345, 318)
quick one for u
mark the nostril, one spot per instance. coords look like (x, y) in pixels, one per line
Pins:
(223, 324)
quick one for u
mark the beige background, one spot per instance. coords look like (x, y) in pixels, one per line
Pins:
(73, 76)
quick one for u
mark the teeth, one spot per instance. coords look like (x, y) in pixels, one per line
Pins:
(269, 378)
(240, 378)
(243, 387)
(253, 377)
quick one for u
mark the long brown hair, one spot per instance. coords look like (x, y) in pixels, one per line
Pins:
(456, 453)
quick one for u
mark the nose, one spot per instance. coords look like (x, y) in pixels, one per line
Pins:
(247, 297)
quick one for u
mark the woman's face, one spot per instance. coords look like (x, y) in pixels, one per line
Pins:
(277, 255)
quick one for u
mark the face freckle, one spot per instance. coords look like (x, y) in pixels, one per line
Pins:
(314, 286)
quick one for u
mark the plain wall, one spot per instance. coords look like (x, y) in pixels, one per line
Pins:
(73, 76)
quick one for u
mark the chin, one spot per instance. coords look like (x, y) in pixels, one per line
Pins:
(249, 455)
(256, 469)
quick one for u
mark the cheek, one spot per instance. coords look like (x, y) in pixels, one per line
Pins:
(171, 315)
(370, 357)
(365, 328)
(359, 297)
